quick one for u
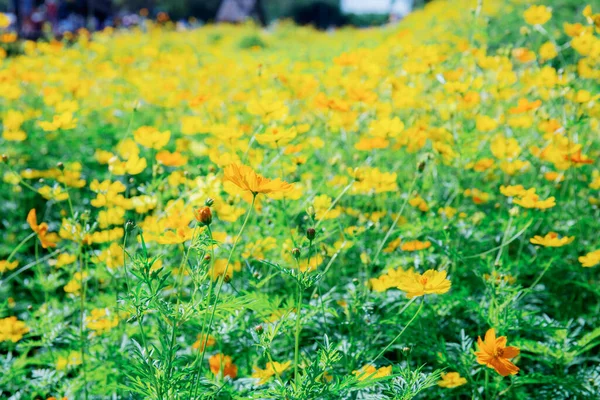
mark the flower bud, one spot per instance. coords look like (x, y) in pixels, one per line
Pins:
(311, 233)
(129, 226)
(296, 252)
(209, 202)
(204, 215)
(60, 165)
(259, 329)
(4, 158)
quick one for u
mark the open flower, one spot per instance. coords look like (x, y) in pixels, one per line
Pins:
(430, 282)
(46, 239)
(551, 240)
(12, 329)
(590, 259)
(451, 380)
(271, 368)
(220, 362)
(494, 353)
(149, 136)
(245, 178)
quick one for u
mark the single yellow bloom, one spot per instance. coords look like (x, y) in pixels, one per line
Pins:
(245, 178)
(537, 15)
(271, 368)
(591, 259)
(551, 240)
(430, 282)
(451, 380)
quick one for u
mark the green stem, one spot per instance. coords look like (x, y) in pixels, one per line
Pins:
(402, 331)
(297, 335)
(16, 249)
(222, 279)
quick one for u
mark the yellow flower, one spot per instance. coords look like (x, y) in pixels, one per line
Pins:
(532, 200)
(150, 137)
(203, 339)
(430, 282)
(591, 259)
(6, 265)
(271, 368)
(415, 245)
(537, 15)
(551, 240)
(12, 329)
(4, 21)
(368, 372)
(246, 179)
(451, 380)
(62, 121)
(512, 191)
(548, 51)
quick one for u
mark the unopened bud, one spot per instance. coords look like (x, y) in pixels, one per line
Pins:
(311, 233)
(129, 226)
(60, 165)
(207, 257)
(227, 279)
(4, 158)
(204, 215)
(209, 202)
(296, 252)
(259, 329)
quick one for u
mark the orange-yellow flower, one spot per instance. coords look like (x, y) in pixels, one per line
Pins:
(551, 240)
(220, 362)
(415, 245)
(430, 282)
(245, 178)
(451, 380)
(494, 353)
(46, 239)
(590, 259)
(532, 200)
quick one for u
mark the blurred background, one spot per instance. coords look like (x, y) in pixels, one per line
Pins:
(30, 17)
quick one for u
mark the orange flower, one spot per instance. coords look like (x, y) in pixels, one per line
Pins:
(47, 239)
(494, 353)
(551, 240)
(220, 362)
(245, 178)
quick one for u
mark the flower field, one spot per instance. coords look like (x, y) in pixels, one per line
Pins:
(409, 211)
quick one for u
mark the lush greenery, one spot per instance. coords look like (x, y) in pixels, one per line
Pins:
(228, 212)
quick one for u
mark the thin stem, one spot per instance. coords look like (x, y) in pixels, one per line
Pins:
(297, 334)
(221, 281)
(389, 232)
(16, 249)
(401, 332)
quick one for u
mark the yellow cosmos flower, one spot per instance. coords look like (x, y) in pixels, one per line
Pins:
(11, 329)
(246, 179)
(451, 380)
(152, 138)
(415, 245)
(537, 15)
(551, 240)
(590, 259)
(271, 369)
(6, 265)
(430, 282)
(531, 200)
